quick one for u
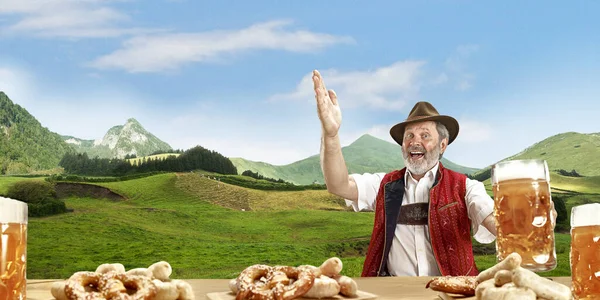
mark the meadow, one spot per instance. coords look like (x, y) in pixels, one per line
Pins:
(208, 229)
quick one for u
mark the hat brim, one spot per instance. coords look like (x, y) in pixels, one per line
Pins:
(397, 131)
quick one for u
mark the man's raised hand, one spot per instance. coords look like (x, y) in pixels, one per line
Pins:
(327, 106)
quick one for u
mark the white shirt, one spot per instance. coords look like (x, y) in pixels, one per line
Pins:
(411, 253)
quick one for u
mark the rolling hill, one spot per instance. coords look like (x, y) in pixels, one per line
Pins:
(25, 145)
(567, 151)
(200, 226)
(366, 154)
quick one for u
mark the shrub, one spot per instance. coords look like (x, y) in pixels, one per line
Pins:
(40, 197)
(31, 191)
(47, 208)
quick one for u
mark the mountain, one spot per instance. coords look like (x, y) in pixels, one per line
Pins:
(367, 154)
(568, 151)
(119, 141)
(25, 145)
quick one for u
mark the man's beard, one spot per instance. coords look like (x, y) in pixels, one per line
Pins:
(420, 166)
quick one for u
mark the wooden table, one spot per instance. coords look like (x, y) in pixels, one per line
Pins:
(384, 287)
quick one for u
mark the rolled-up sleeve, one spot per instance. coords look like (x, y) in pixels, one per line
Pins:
(479, 206)
(368, 187)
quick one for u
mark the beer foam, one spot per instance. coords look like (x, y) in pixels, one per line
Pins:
(520, 169)
(12, 211)
(585, 215)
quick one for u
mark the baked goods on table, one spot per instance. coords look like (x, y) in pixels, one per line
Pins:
(261, 282)
(503, 281)
(112, 281)
(460, 285)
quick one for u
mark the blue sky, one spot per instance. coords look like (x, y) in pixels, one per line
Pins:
(233, 76)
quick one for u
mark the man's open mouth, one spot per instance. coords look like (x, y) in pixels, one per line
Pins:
(417, 154)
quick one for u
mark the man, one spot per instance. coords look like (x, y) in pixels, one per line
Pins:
(424, 213)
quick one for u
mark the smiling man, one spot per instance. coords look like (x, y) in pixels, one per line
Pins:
(424, 213)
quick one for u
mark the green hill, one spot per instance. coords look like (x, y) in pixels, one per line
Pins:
(198, 225)
(25, 145)
(567, 151)
(179, 218)
(366, 154)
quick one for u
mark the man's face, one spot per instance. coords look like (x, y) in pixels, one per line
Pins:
(421, 147)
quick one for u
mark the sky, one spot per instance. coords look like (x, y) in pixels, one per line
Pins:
(234, 76)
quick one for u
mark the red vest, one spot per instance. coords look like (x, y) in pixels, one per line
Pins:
(449, 224)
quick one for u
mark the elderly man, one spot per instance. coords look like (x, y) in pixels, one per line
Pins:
(424, 213)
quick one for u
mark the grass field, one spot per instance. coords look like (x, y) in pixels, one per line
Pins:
(206, 229)
(7, 181)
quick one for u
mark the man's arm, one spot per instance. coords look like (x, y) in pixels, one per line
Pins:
(333, 165)
(490, 224)
(334, 169)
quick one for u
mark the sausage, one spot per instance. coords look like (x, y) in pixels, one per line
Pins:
(348, 287)
(543, 287)
(323, 287)
(511, 262)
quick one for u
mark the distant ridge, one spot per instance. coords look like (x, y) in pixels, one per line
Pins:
(119, 141)
(367, 154)
(567, 151)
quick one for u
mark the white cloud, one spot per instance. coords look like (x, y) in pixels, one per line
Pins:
(389, 87)
(164, 52)
(456, 66)
(66, 18)
(474, 131)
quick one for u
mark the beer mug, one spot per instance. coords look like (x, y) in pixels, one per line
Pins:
(523, 211)
(585, 251)
(13, 249)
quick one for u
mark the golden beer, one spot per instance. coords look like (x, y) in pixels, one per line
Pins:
(13, 249)
(585, 251)
(523, 212)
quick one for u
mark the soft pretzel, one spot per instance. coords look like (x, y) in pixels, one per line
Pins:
(245, 282)
(463, 285)
(261, 282)
(303, 280)
(84, 285)
(117, 285)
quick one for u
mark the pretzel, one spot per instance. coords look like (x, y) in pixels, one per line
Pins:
(117, 286)
(261, 282)
(303, 281)
(245, 282)
(462, 285)
(84, 285)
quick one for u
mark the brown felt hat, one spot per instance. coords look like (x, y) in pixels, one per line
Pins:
(421, 112)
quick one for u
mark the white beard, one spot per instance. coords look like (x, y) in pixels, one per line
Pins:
(422, 166)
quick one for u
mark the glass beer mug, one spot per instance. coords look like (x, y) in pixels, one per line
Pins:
(585, 251)
(13, 249)
(523, 211)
